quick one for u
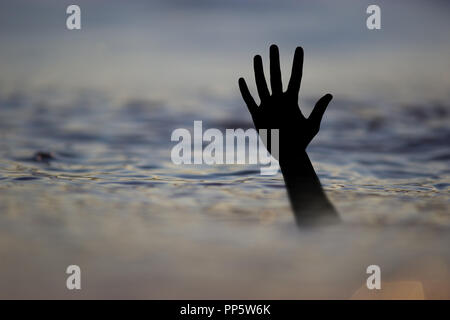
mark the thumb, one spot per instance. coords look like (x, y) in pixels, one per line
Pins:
(319, 109)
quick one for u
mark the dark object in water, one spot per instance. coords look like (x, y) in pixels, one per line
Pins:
(280, 110)
(42, 156)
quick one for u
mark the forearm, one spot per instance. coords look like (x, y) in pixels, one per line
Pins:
(308, 200)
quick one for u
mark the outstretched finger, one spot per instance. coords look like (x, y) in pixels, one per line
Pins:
(297, 72)
(319, 109)
(251, 104)
(275, 72)
(261, 83)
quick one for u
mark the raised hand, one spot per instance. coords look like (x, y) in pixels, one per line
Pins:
(280, 110)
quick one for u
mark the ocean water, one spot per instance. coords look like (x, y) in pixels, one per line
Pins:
(86, 176)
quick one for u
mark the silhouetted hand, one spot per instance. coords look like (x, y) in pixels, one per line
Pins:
(280, 110)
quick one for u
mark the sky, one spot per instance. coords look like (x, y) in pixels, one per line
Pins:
(182, 51)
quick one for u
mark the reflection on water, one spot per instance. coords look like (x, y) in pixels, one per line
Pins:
(86, 176)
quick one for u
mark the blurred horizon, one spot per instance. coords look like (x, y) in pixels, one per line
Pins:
(178, 51)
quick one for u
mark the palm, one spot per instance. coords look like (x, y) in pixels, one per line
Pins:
(280, 110)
